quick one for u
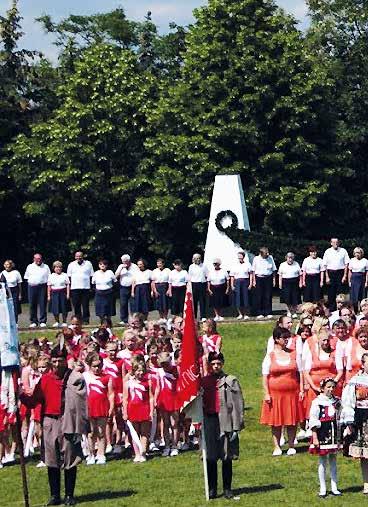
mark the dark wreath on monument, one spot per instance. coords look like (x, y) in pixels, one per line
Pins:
(236, 235)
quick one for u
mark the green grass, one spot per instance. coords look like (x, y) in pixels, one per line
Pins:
(260, 478)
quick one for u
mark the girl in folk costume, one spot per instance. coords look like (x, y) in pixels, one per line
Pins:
(100, 407)
(113, 367)
(166, 402)
(138, 408)
(323, 421)
(359, 346)
(355, 415)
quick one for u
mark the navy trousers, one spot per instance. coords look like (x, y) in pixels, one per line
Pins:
(125, 296)
(199, 298)
(335, 287)
(37, 297)
(264, 286)
(80, 300)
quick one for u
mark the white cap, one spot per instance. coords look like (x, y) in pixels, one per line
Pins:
(125, 258)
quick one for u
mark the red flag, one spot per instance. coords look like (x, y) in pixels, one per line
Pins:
(189, 376)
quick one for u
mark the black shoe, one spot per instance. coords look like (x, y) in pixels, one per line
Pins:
(70, 500)
(228, 494)
(322, 496)
(212, 494)
(54, 500)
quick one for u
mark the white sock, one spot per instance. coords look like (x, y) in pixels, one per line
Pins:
(322, 474)
(333, 472)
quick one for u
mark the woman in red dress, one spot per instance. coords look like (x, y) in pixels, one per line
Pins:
(138, 407)
(283, 389)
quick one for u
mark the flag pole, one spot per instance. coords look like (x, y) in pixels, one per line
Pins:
(22, 460)
(204, 455)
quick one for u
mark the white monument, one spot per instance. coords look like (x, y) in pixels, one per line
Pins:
(227, 195)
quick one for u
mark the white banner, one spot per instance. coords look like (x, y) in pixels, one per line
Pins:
(9, 353)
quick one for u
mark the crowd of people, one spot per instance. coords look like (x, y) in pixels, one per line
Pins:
(131, 406)
(247, 285)
(317, 378)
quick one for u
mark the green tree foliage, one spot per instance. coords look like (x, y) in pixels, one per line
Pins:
(251, 101)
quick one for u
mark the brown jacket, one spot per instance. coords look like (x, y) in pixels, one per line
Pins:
(231, 416)
(75, 419)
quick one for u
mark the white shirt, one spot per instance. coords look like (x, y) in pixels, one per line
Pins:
(12, 277)
(241, 269)
(287, 270)
(335, 259)
(37, 274)
(358, 265)
(263, 267)
(266, 363)
(161, 275)
(58, 282)
(217, 276)
(312, 266)
(126, 274)
(80, 274)
(298, 346)
(178, 278)
(335, 315)
(104, 280)
(197, 273)
(141, 277)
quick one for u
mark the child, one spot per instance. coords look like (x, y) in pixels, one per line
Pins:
(130, 345)
(138, 407)
(166, 402)
(211, 341)
(100, 407)
(323, 423)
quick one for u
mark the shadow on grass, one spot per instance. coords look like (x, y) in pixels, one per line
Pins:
(257, 489)
(105, 495)
(353, 489)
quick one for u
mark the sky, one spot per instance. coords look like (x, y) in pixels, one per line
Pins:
(163, 12)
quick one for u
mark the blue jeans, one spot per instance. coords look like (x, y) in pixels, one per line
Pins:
(37, 297)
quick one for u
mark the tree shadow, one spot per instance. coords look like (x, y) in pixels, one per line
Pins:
(105, 495)
(257, 489)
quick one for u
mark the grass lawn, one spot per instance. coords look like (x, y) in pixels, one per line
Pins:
(258, 477)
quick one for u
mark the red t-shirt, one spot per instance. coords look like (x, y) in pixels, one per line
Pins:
(51, 388)
(211, 399)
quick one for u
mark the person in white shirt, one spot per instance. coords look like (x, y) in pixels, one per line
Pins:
(264, 279)
(336, 262)
(14, 281)
(124, 274)
(241, 280)
(104, 280)
(177, 287)
(358, 277)
(341, 299)
(290, 283)
(218, 288)
(58, 293)
(141, 288)
(198, 278)
(312, 276)
(160, 288)
(80, 272)
(37, 275)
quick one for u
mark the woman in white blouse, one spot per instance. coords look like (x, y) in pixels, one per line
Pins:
(14, 282)
(218, 288)
(177, 287)
(312, 276)
(141, 288)
(358, 277)
(58, 294)
(290, 283)
(104, 280)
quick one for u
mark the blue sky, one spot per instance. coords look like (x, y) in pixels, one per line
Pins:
(163, 12)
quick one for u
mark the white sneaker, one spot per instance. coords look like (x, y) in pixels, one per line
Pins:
(239, 317)
(336, 492)
(260, 316)
(54, 325)
(100, 460)
(308, 434)
(41, 464)
(216, 318)
(269, 317)
(179, 445)
(44, 325)
(296, 441)
(153, 447)
(166, 452)
(295, 315)
(174, 452)
(122, 323)
(301, 435)
(203, 319)
(33, 325)
(220, 319)
(282, 440)
(142, 459)
(161, 443)
(277, 452)
(64, 324)
(90, 460)
(246, 317)
(8, 458)
(291, 451)
(1, 465)
(108, 449)
(137, 459)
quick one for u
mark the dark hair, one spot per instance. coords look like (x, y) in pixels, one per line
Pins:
(101, 335)
(280, 319)
(107, 320)
(280, 332)
(103, 261)
(312, 248)
(303, 328)
(326, 381)
(214, 356)
(143, 261)
(160, 259)
(339, 322)
(93, 356)
(59, 352)
(177, 262)
(348, 306)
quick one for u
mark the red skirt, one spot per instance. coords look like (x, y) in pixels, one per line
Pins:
(138, 412)
(98, 406)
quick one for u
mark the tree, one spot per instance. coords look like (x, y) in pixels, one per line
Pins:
(251, 101)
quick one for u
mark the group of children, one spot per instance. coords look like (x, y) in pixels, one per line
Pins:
(131, 385)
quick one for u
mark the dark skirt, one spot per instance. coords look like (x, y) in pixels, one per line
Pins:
(312, 289)
(178, 299)
(219, 297)
(290, 292)
(142, 298)
(241, 297)
(162, 302)
(59, 303)
(357, 289)
(104, 303)
(16, 303)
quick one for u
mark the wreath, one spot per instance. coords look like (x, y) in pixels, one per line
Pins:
(236, 235)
